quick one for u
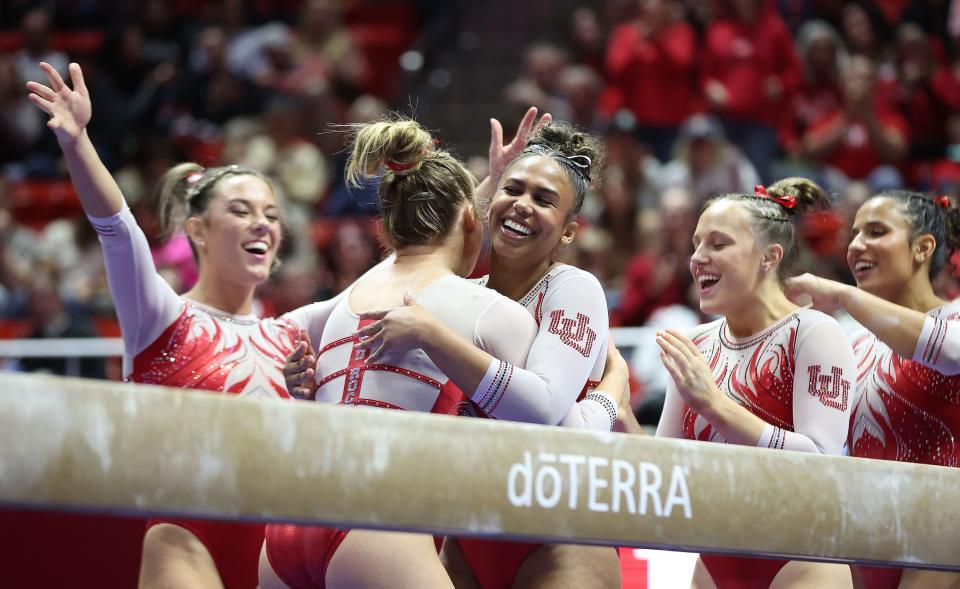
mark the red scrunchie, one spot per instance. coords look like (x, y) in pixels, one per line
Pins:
(943, 201)
(398, 167)
(787, 201)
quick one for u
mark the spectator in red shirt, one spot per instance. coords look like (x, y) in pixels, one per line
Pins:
(922, 91)
(863, 137)
(819, 92)
(864, 29)
(658, 275)
(650, 65)
(750, 70)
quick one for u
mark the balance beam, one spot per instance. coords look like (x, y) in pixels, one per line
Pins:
(89, 445)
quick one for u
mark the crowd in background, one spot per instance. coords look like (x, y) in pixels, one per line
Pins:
(693, 99)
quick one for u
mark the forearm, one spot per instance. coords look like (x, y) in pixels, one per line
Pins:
(97, 190)
(462, 362)
(898, 327)
(733, 421)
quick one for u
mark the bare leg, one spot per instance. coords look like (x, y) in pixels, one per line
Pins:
(558, 566)
(701, 577)
(368, 559)
(174, 558)
(456, 564)
(798, 574)
(915, 579)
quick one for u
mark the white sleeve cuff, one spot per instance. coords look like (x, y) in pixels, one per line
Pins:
(607, 405)
(772, 437)
(493, 386)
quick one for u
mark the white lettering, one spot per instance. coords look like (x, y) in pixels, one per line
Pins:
(525, 470)
(623, 480)
(573, 461)
(678, 493)
(556, 486)
(597, 482)
(634, 488)
(649, 488)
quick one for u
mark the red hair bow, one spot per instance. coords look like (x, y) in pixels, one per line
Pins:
(398, 167)
(943, 201)
(787, 201)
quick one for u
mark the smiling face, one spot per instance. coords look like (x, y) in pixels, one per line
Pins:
(529, 213)
(880, 252)
(239, 234)
(726, 262)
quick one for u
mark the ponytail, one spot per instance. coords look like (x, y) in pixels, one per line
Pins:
(421, 190)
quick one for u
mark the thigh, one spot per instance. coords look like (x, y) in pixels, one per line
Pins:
(369, 559)
(173, 557)
(915, 579)
(813, 575)
(701, 577)
(457, 566)
(567, 565)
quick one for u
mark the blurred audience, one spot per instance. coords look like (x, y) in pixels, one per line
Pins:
(693, 99)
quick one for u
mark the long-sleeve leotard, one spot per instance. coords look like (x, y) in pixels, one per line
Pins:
(565, 361)
(797, 376)
(409, 380)
(172, 341)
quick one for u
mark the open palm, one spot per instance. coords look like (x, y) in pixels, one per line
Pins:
(69, 110)
(501, 154)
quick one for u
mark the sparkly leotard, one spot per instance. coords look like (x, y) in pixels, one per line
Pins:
(796, 376)
(908, 409)
(171, 341)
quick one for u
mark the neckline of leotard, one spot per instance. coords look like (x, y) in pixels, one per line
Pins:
(246, 319)
(738, 343)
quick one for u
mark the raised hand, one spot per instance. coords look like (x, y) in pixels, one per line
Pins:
(688, 369)
(822, 294)
(299, 370)
(500, 155)
(400, 329)
(69, 110)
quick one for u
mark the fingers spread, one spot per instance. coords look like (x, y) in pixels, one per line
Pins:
(544, 120)
(44, 105)
(41, 90)
(56, 82)
(76, 77)
(496, 134)
(526, 124)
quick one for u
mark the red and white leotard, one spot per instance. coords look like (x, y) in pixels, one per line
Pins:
(798, 377)
(563, 355)
(171, 341)
(564, 365)
(909, 409)
(299, 555)
(565, 362)
(409, 379)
